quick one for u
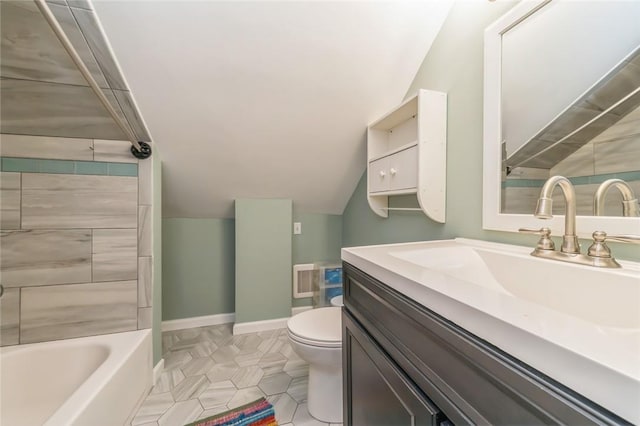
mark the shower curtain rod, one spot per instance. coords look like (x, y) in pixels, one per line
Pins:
(139, 149)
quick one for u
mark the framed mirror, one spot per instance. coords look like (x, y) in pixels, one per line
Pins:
(562, 97)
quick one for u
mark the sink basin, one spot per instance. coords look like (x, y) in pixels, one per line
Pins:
(606, 297)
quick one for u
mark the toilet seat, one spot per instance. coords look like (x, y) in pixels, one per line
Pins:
(318, 327)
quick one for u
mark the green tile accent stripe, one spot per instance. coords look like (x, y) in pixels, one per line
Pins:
(67, 167)
(578, 180)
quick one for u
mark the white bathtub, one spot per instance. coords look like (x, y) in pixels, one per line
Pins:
(96, 380)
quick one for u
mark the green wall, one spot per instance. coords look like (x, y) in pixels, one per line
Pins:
(198, 267)
(454, 65)
(321, 240)
(157, 256)
(263, 259)
(199, 261)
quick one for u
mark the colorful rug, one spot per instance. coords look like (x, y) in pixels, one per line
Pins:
(256, 413)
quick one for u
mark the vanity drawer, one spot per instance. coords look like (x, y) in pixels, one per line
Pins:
(470, 380)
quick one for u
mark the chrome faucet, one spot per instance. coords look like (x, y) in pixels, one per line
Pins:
(544, 211)
(629, 200)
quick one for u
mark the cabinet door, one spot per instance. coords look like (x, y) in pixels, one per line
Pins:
(403, 169)
(379, 175)
(377, 392)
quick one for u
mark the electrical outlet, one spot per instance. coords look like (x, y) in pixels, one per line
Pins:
(297, 228)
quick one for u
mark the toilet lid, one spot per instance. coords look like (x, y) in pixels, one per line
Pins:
(322, 326)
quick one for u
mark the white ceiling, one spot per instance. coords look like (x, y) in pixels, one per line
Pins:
(266, 99)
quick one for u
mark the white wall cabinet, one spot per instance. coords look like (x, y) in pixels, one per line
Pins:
(407, 154)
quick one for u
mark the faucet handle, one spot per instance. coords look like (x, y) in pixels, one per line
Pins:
(545, 242)
(599, 247)
(602, 236)
(601, 252)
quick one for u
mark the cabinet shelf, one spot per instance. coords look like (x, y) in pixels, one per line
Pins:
(406, 152)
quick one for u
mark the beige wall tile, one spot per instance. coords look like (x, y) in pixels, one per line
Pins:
(520, 200)
(145, 318)
(114, 151)
(74, 201)
(45, 257)
(115, 254)
(9, 200)
(622, 155)
(76, 310)
(46, 147)
(580, 163)
(10, 317)
(145, 281)
(145, 229)
(145, 173)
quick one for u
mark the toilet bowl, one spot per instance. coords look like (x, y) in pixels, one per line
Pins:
(316, 336)
(336, 301)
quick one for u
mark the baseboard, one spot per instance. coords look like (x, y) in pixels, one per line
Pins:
(255, 326)
(298, 309)
(157, 370)
(203, 321)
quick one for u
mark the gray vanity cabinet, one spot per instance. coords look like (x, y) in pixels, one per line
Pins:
(380, 393)
(403, 364)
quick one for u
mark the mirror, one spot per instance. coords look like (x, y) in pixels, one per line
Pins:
(550, 113)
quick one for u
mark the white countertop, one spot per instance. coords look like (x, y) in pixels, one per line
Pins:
(599, 361)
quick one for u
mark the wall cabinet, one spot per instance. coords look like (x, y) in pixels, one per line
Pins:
(406, 152)
(403, 364)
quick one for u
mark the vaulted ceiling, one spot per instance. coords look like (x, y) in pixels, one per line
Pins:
(266, 99)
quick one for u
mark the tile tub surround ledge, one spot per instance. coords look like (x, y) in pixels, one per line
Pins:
(565, 346)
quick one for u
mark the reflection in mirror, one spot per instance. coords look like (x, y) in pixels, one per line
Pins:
(570, 104)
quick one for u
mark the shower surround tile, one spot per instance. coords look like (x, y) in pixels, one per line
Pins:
(43, 257)
(25, 35)
(91, 31)
(51, 109)
(115, 255)
(133, 117)
(26, 146)
(145, 229)
(75, 201)
(76, 310)
(10, 317)
(145, 281)
(145, 318)
(9, 200)
(113, 151)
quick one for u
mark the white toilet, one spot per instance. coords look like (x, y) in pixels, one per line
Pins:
(316, 336)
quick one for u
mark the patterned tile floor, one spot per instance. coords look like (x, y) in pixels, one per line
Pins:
(207, 370)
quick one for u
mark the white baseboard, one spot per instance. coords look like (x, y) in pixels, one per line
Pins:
(255, 326)
(297, 310)
(241, 328)
(203, 321)
(157, 370)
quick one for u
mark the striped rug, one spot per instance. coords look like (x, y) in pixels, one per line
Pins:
(256, 413)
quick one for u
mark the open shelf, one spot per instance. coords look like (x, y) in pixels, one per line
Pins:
(406, 154)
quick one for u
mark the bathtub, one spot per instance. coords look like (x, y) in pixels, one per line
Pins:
(98, 380)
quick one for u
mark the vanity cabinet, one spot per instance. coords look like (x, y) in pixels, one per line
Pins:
(403, 364)
(406, 154)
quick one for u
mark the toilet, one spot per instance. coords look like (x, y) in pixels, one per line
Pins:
(316, 336)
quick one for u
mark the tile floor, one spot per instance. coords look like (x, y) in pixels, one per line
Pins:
(207, 370)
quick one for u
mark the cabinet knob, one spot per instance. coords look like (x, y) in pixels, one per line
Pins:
(393, 171)
(382, 174)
